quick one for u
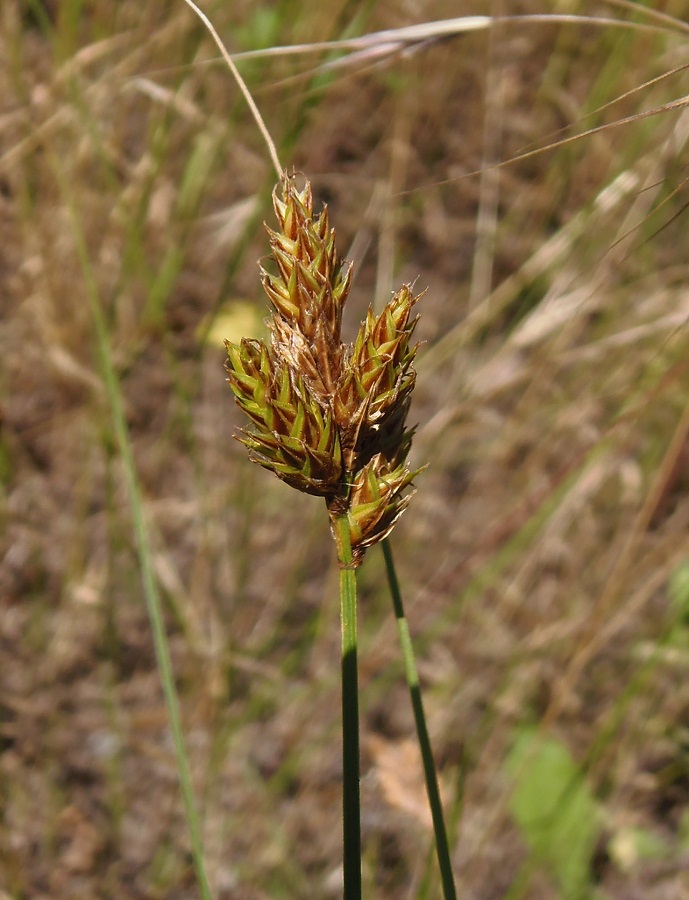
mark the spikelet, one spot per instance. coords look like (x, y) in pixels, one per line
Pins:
(293, 435)
(328, 418)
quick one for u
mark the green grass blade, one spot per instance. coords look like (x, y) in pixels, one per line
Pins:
(153, 603)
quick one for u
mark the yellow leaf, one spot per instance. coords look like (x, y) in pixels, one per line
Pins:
(232, 322)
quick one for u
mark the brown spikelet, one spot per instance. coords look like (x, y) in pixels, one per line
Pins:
(328, 418)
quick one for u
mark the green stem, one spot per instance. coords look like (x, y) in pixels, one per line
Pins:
(351, 817)
(143, 545)
(441, 843)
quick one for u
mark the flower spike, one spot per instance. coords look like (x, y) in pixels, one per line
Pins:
(328, 418)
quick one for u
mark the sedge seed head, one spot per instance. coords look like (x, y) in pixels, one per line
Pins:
(328, 418)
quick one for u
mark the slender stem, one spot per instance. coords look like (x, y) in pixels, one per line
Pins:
(351, 817)
(441, 843)
(143, 545)
(258, 118)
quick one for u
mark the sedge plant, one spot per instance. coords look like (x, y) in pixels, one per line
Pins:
(329, 419)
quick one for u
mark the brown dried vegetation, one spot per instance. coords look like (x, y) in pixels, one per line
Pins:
(545, 563)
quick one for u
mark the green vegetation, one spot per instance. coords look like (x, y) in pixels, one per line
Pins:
(544, 564)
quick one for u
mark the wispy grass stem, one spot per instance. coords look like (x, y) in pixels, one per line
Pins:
(258, 118)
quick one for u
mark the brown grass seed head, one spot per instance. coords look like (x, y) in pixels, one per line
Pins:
(328, 418)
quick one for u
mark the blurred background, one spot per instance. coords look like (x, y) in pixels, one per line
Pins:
(544, 560)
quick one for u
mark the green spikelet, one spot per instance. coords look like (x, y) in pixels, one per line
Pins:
(328, 418)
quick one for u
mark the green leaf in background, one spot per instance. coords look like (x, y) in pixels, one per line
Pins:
(555, 810)
(678, 590)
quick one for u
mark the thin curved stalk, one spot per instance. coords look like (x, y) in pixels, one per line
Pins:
(412, 675)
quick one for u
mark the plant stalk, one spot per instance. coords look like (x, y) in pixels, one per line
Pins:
(351, 809)
(143, 545)
(412, 675)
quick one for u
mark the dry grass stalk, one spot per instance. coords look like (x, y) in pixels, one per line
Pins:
(328, 417)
